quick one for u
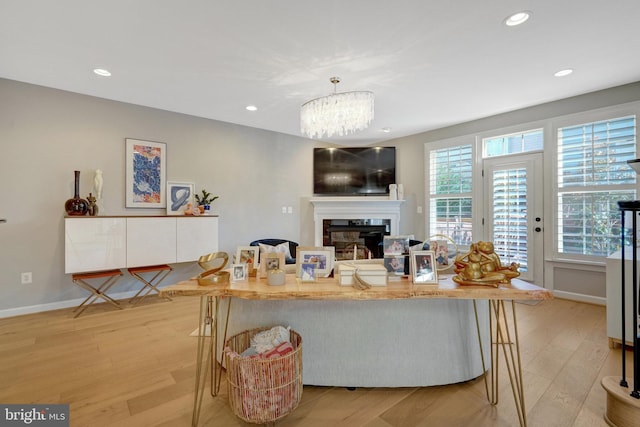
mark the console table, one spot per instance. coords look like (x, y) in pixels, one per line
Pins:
(502, 324)
(97, 247)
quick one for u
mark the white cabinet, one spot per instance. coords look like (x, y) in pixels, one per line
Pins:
(151, 241)
(614, 295)
(196, 236)
(93, 244)
(105, 243)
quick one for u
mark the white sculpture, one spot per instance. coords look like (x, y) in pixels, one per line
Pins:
(393, 192)
(97, 184)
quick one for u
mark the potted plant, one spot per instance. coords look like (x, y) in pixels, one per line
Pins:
(204, 201)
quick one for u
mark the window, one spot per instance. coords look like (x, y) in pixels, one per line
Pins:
(513, 143)
(450, 197)
(593, 176)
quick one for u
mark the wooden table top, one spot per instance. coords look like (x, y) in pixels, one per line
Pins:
(330, 289)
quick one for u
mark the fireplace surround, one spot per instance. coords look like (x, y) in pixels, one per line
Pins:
(345, 214)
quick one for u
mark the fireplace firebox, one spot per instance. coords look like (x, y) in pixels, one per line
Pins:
(360, 235)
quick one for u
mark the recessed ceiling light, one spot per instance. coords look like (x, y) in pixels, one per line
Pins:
(386, 130)
(102, 72)
(563, 73)
(251, 108)
(517, 18)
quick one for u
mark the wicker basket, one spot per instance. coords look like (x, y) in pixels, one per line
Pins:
(263, 390)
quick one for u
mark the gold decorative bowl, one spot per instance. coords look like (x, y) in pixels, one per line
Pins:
(209, 278)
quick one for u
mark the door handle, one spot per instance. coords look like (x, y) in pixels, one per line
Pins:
(2, 220)
(538, 229)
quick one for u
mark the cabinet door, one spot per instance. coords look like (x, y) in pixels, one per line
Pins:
(94, 244)
(196, 236)
(151, 241)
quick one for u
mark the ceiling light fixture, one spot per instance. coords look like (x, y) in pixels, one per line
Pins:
(517, 18)
(563, 73)
(251, 108)
(339, 113)
(102, 72)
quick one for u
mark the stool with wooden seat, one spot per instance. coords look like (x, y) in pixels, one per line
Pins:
(100, 291)
(161, 271)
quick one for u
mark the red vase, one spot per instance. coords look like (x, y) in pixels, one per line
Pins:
(76, 206)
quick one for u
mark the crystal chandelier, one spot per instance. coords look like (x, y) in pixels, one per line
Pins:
(339, 113)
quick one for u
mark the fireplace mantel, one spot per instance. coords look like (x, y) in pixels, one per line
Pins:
(355, 208)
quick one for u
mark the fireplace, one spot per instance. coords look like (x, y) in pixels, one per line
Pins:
(362, 236)
(361, 221)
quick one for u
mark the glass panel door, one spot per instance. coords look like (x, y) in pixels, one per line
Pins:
(513, 214)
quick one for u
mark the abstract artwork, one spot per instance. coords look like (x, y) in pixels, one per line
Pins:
(146, 166)
(179, 194)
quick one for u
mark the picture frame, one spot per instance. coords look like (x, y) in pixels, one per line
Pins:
(238, 272)
(424, 269)
(308, 271)
(145, 174)
(271, 261)
(324, 256)
(445, 250)
(395, 264)
(395, 245)
(247, 254)
(179, 195)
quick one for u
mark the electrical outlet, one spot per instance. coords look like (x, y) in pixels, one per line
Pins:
(289, 209)
(26, 278)
(419, 210)
(284, 209)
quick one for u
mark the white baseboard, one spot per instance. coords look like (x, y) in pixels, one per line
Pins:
(30, 309)
(580, 297)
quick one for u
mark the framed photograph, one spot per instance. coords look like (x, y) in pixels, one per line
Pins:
(423, 267)
(239, 272)
(395, 264)
(179, 194)
(323, 256)
(271, 261)
(445, 249)
(248, 254)
(395, 245)
(145, 174)
(308, 272)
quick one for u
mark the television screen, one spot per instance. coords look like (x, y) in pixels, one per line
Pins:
(361, 171)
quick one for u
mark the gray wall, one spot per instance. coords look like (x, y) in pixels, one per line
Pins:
(46, 134)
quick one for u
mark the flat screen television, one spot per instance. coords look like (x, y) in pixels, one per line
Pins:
(354, 171)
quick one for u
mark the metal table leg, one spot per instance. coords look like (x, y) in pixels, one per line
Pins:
(503, 336)
(208, 341)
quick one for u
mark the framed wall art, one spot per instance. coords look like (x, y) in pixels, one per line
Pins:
(423, 267)
(145, 174)
(323, 256)
(179, 195)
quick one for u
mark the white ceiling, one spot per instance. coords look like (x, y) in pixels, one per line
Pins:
(430, 63)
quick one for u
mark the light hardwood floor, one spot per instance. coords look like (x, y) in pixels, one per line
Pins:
(136, 367)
